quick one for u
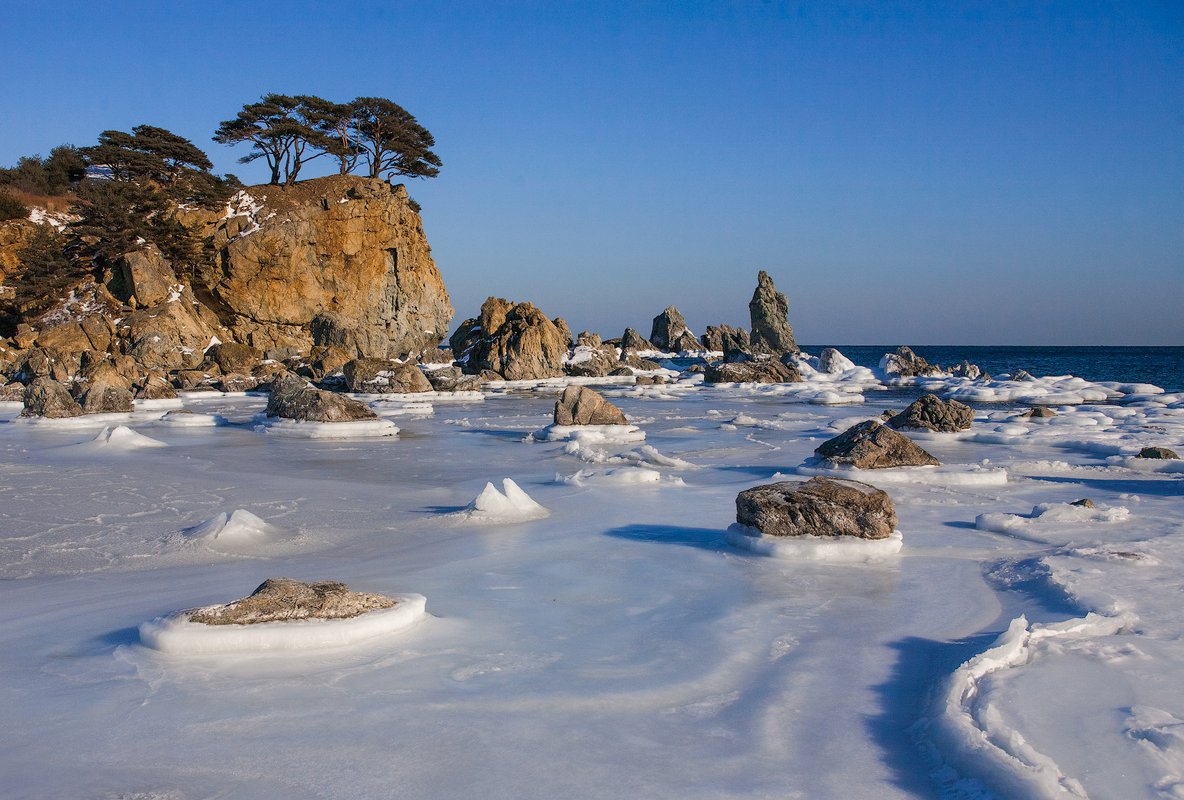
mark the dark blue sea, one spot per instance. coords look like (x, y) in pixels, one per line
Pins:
(1161, 366)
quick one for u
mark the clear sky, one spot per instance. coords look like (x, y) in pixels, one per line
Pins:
(914, 172)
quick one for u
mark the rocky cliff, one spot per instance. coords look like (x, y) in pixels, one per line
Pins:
(341, 261)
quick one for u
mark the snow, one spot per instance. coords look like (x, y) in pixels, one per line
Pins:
(120, 439)
(509, 505)
(299, 429)
(176, 635)
(630, 643)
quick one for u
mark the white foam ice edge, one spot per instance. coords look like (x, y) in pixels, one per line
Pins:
(946, 475)
(175, 634)
(512, 504)
(847, 549)
(357, 429)
(619, 476)
(971, 735)
(590, 434)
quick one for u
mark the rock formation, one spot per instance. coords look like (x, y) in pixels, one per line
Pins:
(817, 507)
(285, 600)
(930, 412)
(870, 445)
(632, 340)
(726, 339)
(765, 370)
(515, 341)
(379, 376)
(670, 333)
(904, 363)
(340, 260)
(45, 397)
(294, 398)
(769, 313)
(579, 405)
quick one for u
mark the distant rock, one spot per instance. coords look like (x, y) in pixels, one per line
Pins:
(1022, 375)
(967, 370)
(632, 340)
(670, 330)
(379, 376)
(1157, 452)
(45, 397)
(564, 332)
(817, 507)
(451, 379)
(579, 405)
(769, 313)
(726, 339)
(870, 445)
(512, 341)
(766, 370)
(293, 398)
(1040, 412)
(286, 600)
(904, 363)
(930, 412)
(1084, 502)
(588, 361)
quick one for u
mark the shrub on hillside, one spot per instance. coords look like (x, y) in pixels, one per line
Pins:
(11, 207)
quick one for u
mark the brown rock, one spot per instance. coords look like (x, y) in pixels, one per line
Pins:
(904, 363)
(234, 357)
(1040, 412)
(526, 346)
(378, 376)
(350, 250)
(45, 397)
(451, 379)
(155, 386)
(294, 398)
(870, 445)
(1157, 452)
(759, 371)
(285, 599)
(172, 335)
(579, 405)
(669, 329)
(632, 340)
(145, 275)
(817, 507)
(930, 412)
(15, 235)
(67, 338)
(769, 313)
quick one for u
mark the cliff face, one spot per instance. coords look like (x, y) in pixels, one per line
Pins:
(341, 260)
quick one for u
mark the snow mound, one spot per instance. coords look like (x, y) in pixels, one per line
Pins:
(1166, 465)
(510, 505)
(590, 434)
(1049, 515)
(945, 475)
(815, 548)
(619, 476)
(240, 529)
(359, 429)
(644, 456)
(972, 736)
(120, 439)
(175, 634)
(191, 419)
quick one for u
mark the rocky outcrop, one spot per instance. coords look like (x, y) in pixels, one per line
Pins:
(632, 340)
(294, 398)
(870, 445)
(967, 370)
(285, 600)
(579, 405)
(817, 507)
(15, 235)
(904, 363)
(1157, 452)
(45, 397)
(171, 335)
(344, 251)
(670, 333)
(233, 357)
(929, 412)
(515, 341)
(768, 312)
(726, 339)
(145, 277)
(766, 370)
(592, 362)
(378, 376)
(451, 379)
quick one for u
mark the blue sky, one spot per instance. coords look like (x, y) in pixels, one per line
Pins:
(924, 173)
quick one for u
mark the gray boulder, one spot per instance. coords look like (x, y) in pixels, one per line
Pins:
(758, 371)
(870, 445)
(769, 313)
(45, 397)
(831, 361)
(1157, 452)
(930, 412)
(632, 340)
(817, 507)
(451, 379)
(286, 600)
(1040, 412)
(967, 370)
(669, 330)
(904, 363)
(293, 398)
(579, 405)
(379, 376)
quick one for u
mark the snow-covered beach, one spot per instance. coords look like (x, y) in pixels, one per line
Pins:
(1016, 645)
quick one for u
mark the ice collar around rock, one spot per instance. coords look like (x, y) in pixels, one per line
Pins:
(285, 599)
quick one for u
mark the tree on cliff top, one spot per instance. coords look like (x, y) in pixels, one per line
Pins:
(152, 156)
(392, 140)
(281, 129)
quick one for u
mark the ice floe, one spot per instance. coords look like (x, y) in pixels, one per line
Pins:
(815, 548)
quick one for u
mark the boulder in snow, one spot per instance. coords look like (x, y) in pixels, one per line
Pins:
(579, 405)
(930, 412)
(870, 445)
(817, 507)
(285, 599)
